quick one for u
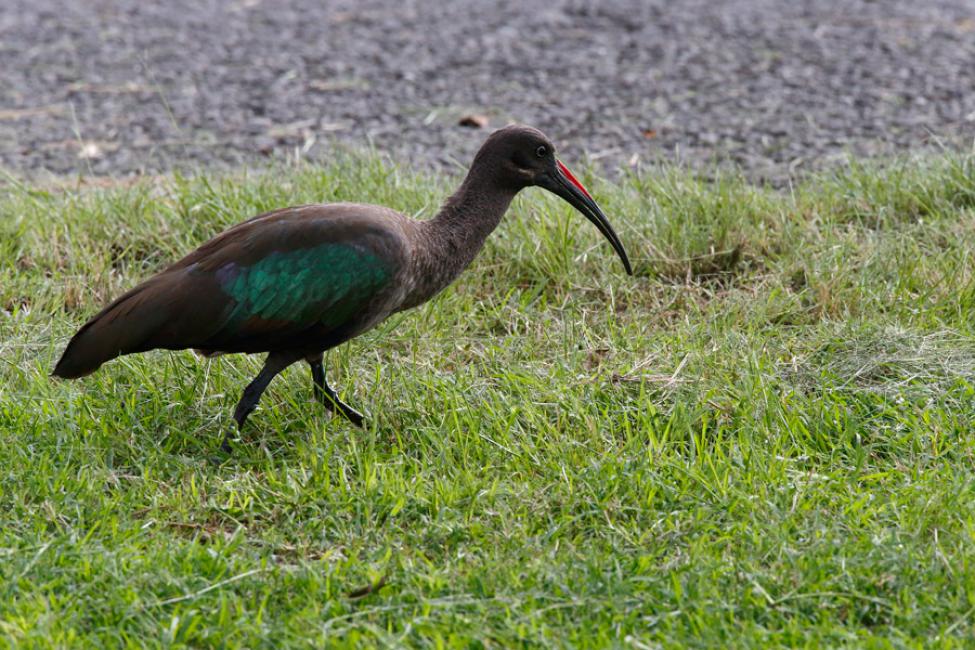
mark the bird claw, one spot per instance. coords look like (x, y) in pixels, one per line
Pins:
(226, 446)
(347, 412)
(354, 417)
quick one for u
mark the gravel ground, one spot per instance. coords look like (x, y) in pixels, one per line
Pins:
(114, 88)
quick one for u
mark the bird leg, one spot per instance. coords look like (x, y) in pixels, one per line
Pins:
(328, 397)
(274, 364)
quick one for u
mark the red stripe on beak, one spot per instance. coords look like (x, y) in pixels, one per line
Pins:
(572, 179)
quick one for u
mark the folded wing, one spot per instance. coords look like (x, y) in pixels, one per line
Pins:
(281, 279)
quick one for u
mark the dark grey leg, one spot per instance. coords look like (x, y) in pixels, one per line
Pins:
(274, 364)
(328, 397)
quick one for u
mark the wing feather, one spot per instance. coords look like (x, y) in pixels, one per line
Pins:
(253, 287)
(320, 285)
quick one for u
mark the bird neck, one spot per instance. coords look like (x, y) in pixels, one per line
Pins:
(449, 242)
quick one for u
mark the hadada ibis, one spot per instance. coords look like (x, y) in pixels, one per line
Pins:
(299, 281)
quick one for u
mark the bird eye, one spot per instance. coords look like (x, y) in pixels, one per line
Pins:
(541, 151)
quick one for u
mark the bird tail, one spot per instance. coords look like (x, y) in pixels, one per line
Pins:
(110, 334)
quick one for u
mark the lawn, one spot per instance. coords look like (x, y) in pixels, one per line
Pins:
(764, 438)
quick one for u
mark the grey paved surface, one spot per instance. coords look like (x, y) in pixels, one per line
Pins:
(127, 86)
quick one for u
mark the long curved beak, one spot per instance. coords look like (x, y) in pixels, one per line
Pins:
(561, 182)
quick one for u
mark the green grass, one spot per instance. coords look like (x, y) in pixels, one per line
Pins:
(764, 439)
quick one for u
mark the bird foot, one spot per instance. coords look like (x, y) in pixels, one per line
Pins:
(229, 440)
(328, 397)
(353, 416)
(218, 457)
(337, 407)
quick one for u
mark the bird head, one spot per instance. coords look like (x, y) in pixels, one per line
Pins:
(525, 157)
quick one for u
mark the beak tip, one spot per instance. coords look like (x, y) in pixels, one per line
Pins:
(566, 186)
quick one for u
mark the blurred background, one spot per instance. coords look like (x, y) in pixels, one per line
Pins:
(774, 86)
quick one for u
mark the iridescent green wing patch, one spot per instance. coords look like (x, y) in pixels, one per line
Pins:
(323, 284)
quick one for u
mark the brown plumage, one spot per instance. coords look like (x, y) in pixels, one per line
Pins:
(299, 281)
